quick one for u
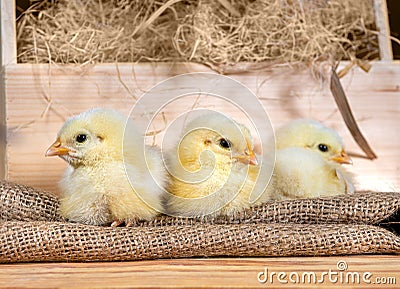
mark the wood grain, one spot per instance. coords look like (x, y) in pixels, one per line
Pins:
(3, 131)
(197, 273)
(382, 23)
(8, 54)
(41, 97)
(8, 33)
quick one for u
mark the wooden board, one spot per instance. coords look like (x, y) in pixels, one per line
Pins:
(382, 24)
(8, 54)
(41, 97)
(201, 273)
(8, 33)
(36, 99)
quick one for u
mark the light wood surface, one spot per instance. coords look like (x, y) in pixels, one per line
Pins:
(8, 54)
(41, 97)
(197, 273)
(8, 32)
(38, 99)
(382, 23)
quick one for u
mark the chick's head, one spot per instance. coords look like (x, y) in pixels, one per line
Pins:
(313, 135)
(90, 137)
(216, 138)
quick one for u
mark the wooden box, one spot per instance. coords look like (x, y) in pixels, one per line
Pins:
(37, 98)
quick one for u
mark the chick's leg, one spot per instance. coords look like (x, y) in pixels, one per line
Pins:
(116, 223)
(128, 223)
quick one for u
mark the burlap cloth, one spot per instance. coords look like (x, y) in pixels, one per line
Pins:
(32, 230)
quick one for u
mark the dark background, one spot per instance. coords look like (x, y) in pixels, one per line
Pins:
(394, 22)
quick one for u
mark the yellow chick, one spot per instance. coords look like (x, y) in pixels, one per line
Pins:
(315, 136)
(213, 168)
(303, 173)
(96, 189)
(308, 160)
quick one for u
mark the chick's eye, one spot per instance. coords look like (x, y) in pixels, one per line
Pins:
(323, 147)
(224, 143)
(81, 138)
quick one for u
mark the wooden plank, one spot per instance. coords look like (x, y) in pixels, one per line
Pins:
(285, 94)
(8, 53)
(3, 128)
(8, 32)
(201, 273)
(382, 23)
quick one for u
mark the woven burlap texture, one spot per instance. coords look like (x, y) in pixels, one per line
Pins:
(22, 203)
(54, 241)
(31, 230)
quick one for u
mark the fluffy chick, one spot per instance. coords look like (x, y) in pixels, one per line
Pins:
(213, 168)
(308, 162)
(315, 136)
(302, 173)
(95, 187)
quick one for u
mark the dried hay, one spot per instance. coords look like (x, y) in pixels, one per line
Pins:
(211, 32)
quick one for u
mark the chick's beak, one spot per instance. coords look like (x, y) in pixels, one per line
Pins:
(249, 157)
(252, 158)
(342, 158)
(56, 149)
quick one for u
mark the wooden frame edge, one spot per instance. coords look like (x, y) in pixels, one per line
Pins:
(382, 23)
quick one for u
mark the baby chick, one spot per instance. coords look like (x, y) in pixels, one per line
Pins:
(308, 160)
(95, 187)
(303, 173)
(315, 136)
(213, 168)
